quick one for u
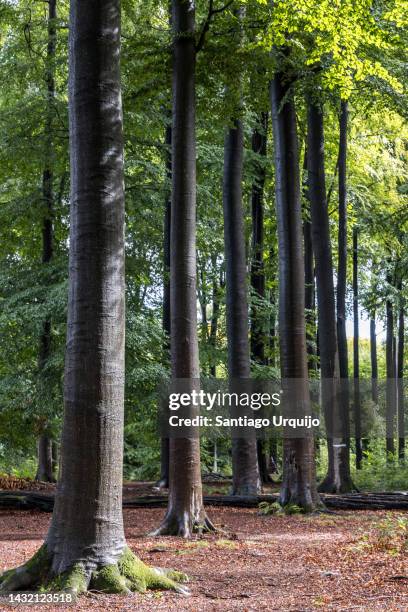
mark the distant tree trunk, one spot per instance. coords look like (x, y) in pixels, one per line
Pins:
(309, 277)
(299, 477)
(391, 376)
(257, 265)
(259, 144)
(44, 470)
(164, 446)
(338, 478)
(272, 320)
(373, 358)
(85, 546)
(400, 376)
(356, 355)
(185, 512)
(45, 463)
(342, 275)
(245, 476)
(214, 319)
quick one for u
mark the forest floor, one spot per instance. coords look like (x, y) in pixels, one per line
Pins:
(337, 561)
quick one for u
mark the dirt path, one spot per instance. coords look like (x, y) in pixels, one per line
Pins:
(260, 563)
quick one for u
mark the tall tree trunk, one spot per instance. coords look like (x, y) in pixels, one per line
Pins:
(299, 477)
(166, 321)
(356, 355)
(245, 476)
(185, 512)
(85, 546)
(391, 376)
(44, 469)
(214, 317)
(400, 378)
(309, 276)
(259, 144)
(342, 275)
(373, 358)
(338, 478)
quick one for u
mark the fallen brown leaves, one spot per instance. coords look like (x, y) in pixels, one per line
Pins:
(273, 563)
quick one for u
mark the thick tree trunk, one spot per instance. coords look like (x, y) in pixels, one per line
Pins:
(85, 546)
(391, 377)
(356, 355)
(245, 476)
(164, 443)
(44, 470)
(338, 478)
(400, 378)
(299, 477)
(185, 512)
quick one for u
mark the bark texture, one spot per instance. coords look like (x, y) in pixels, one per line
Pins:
(85, 546)
(185, 512)
(338, 478)
(299, 478)
(245, 476)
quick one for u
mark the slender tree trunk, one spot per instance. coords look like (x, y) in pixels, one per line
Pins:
(214, 319)
(245, 476)
(164, 443)
(373, 359)
(356, 355)
(342, 275)
(44, 470)
(400, 377)
(309, 276)
(299, 477)
(185, 512)
(45, 463)
(391, 376)
(338, 478)
(85, 546)
(259, 144)
(272, 320)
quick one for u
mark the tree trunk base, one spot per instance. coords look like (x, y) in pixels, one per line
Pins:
(331, 485)
(175, 525)
(128, 575)
(161, 484)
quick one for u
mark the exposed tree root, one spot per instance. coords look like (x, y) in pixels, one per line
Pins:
(172, 525)
(129, 574)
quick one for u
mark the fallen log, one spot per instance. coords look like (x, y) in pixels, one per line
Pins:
(353, 501)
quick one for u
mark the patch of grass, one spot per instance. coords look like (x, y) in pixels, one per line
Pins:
(225, 544)
(265, 508)
(389, 535)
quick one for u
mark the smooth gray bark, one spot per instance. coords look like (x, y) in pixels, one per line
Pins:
(87, 526)
(299, 477)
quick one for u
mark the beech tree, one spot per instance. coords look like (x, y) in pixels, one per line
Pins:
(338, 476)
(299, 478)
(185, 512)
(85, 546)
